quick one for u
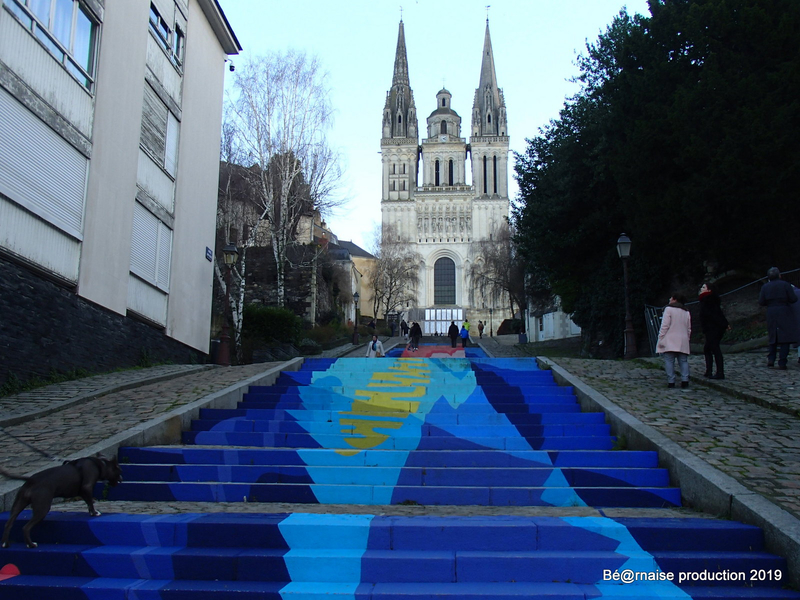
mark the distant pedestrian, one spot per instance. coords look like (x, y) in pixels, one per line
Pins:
(404, 329)
(416, 334)
(480, 329)
(375, 348)
(673, 339)
(777, 295)
(464, 336)
(714, 325)
(392, 326)
(452, 333)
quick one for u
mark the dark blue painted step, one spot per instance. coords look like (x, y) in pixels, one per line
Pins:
(346, 404)
(601, 497)
(334, 426)
(420, 458)
(442, 442)
(488, 417)
(362, 475)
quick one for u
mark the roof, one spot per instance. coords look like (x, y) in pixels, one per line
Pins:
(355, 250)
(219, 24)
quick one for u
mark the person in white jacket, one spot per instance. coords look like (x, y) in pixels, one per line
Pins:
(673, 339)
(375, 348)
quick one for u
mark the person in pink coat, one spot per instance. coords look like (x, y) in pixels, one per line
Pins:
(673, 339)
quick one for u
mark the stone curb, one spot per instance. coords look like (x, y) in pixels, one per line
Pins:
(167, 428)
(110, 389)
(703, 487)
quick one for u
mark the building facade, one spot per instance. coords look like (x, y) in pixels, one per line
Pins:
(110, 116)
(429, 205)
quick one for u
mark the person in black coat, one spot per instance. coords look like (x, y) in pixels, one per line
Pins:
(777, 295)
(416, 334)
(452, 333)
(714, 324)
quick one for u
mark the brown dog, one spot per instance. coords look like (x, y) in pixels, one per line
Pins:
(73, 478)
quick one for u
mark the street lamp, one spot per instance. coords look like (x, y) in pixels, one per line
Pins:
(230, 254)
(356, 296)
(624, 251)
(491, 310)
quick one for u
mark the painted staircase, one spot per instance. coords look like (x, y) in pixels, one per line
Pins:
(490, 432)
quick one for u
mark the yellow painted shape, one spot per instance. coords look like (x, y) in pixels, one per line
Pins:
(407, 372)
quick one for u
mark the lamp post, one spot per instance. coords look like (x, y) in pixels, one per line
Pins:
(230, 255)
(491, 310)
(356, 296)
(624, 252)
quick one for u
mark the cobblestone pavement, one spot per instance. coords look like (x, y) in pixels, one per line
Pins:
(28, 405)
(739, 425)
(77, 427)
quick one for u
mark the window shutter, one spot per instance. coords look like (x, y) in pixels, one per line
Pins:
(154, 124)
(164, 255)
(39, 169)
(144, 243)
(151, 248)
(171, 158)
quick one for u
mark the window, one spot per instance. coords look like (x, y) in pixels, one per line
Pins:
(494, 174)
(444, 281)
(160, 132)
(151, 248)
(485, 175)
(66, 29)
(450, 174)
(179, 41)
(444, 102)
(174, 42)
(159, 27)
(436, 172)
(443, 127)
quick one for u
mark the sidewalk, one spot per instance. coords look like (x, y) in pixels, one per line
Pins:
(747, 426)
(65, 419)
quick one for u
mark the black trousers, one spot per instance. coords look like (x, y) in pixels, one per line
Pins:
(713, 353)
(782, 350)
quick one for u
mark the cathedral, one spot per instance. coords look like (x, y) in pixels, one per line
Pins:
(444, 219)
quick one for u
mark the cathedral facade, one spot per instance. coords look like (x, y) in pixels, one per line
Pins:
(427, 203)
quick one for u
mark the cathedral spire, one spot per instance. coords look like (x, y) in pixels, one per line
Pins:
(488, 75)
(488, 109)
(400, 59)
(399, 112)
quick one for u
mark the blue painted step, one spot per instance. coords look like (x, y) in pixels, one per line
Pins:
(420, 458)
(258, 556)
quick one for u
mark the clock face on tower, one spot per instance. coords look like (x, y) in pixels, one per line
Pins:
(443, 137)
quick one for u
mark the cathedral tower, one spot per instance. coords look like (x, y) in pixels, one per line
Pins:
(399, 143)
(444, 219)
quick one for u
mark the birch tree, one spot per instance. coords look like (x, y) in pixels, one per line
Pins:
(280, 113)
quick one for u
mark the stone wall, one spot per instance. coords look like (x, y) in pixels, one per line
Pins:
(45, 327)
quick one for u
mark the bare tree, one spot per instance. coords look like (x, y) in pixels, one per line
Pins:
(280, 114)
(497, 272)
(395, 273)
